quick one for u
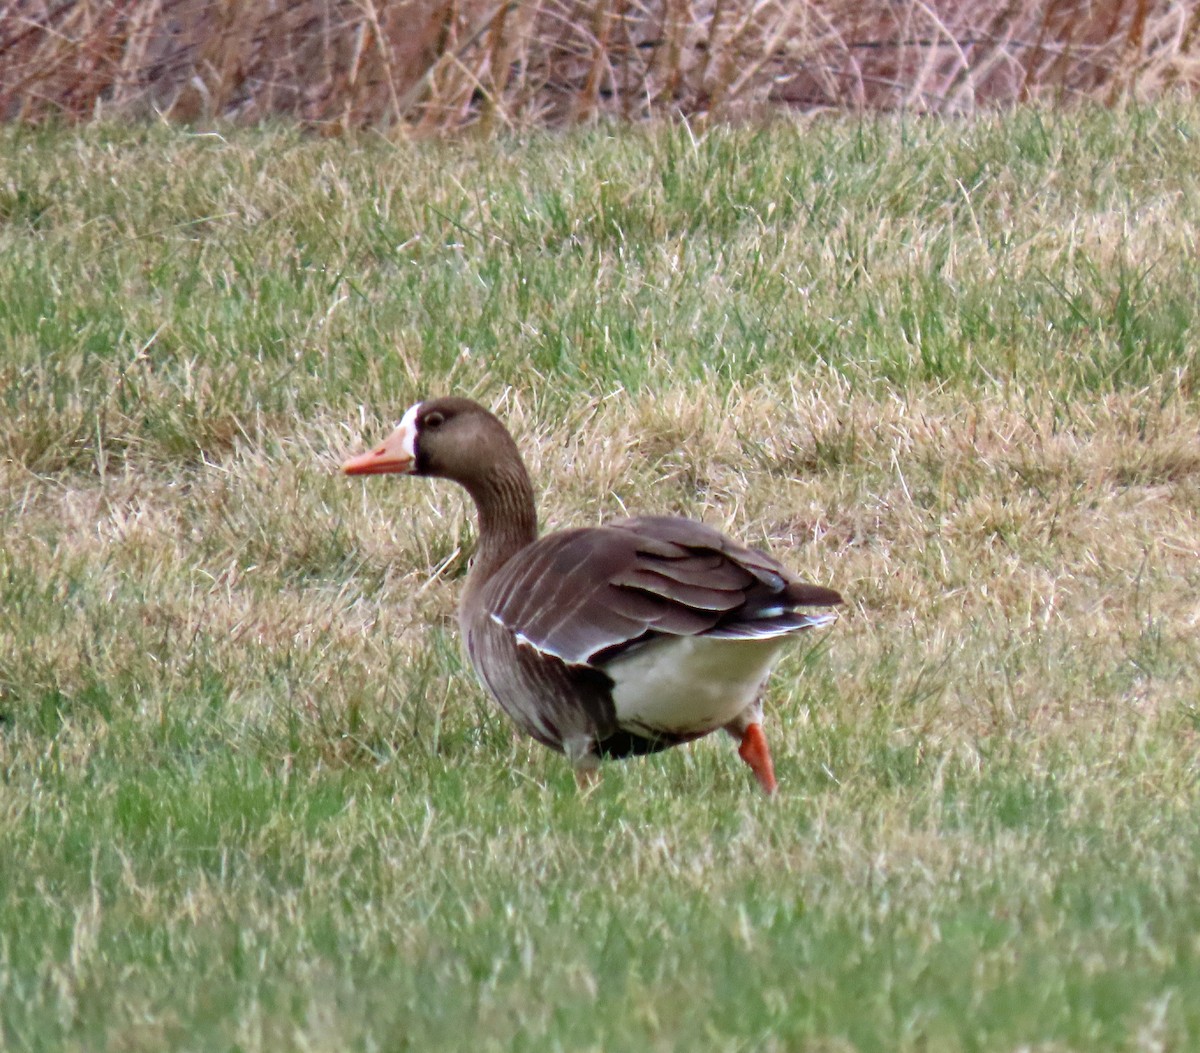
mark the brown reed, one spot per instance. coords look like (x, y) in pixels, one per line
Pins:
(442, 65)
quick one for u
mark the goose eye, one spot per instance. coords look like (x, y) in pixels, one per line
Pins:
(434, 420)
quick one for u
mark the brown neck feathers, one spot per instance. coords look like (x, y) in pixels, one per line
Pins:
(507, 519)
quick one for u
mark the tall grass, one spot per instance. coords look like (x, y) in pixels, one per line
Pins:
(251, 799)
(433, 65)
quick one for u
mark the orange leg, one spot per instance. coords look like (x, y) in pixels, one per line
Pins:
(754, 752)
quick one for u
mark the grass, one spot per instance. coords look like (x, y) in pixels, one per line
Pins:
(252, 800)
(441, 66)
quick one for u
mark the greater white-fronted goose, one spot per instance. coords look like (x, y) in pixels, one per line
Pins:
(605, 641)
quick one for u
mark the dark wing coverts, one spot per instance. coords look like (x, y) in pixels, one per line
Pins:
(584, 595)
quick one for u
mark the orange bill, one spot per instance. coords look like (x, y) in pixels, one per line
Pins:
(394, 454)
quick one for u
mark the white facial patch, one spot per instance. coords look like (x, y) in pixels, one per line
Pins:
(407, 429)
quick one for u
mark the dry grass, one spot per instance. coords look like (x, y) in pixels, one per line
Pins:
(257, 801)
(433, 65)
(949, 525)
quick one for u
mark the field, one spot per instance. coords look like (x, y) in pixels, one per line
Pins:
(251, 799)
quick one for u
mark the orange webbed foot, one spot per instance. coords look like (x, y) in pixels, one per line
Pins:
(755, 753)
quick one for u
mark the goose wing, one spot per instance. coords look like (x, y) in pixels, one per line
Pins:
(585, 595)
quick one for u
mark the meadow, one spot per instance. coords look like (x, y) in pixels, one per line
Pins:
(250, 796)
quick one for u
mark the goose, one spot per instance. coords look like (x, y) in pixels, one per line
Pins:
(608, 641)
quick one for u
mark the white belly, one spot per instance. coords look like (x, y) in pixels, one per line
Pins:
(689, 684)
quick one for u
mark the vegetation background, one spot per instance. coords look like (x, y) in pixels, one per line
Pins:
(939, 352)
(437, 65)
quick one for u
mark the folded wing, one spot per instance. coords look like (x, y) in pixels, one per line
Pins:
(586, 595)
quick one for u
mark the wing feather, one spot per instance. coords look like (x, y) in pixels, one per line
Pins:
(649, 579)
(579, 594)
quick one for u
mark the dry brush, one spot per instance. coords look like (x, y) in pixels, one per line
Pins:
(438, 65)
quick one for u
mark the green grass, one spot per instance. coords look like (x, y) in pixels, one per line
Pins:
(251, 798)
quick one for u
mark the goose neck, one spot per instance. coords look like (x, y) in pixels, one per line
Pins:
(507, 520)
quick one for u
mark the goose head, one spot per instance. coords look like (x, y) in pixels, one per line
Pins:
(448, 438)
(457, 439)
